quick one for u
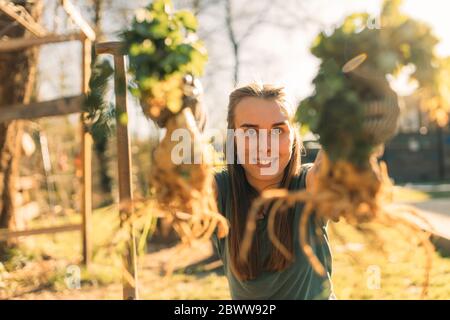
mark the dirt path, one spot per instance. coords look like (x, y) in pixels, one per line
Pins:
(183, 284)
(437, 212)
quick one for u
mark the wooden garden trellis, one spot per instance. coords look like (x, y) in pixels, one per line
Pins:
(74, 104)
(56, 107)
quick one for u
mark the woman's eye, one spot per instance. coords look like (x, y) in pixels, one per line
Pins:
(251, 132)
(277, 131)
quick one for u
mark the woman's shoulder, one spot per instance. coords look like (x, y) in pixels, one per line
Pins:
(220, 172)
(221, 186)
(221, 177)
(299, 180)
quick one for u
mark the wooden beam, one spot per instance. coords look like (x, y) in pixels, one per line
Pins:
(19, 14)
(86, 158)
(76, 17)
(124, 166)
(51, 108)
(113, 47)
(129, 277)
(5, 234)
(26, 42)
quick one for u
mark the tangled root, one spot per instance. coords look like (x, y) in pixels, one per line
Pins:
(183, 182)
(358, 195)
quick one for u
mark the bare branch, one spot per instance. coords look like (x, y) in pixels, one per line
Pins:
(258, 21)
(232, 38)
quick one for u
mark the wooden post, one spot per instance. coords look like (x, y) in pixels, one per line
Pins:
(130, 283)
(124, 163)
(86, 158)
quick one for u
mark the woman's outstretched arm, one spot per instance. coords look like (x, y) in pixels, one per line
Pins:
(312, 173)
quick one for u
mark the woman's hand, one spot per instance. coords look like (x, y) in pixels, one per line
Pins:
(312, 173)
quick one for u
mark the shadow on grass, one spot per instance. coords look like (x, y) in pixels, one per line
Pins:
(203, 268)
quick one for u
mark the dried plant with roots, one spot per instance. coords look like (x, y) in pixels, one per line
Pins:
(354, 112)
(360, 196)
(166, 57)
(184, 185)
(182, 177)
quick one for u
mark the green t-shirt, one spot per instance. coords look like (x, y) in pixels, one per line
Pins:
(298, 281)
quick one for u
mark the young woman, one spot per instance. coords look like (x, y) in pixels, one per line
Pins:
(268, 274)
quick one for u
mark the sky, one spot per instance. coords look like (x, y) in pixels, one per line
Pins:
(294, 66)
(271, 54)
(282, 56)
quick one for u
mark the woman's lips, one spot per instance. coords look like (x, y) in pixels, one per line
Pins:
(265, 163)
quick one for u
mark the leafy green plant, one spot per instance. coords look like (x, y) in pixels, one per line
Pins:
(163, 47)
(355, 61)
(165, 57)
(100, 113)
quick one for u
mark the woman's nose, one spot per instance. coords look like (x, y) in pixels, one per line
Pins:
(265, 142)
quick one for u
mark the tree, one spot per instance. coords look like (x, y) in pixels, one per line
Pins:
(239, 25)
(235, 40)
(17, 79)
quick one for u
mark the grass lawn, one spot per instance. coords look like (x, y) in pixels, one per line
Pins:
(38, 268)
(405, 194)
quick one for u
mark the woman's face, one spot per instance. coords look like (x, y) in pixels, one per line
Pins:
(268, 137)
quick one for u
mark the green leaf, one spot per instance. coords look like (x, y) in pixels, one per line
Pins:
(188, 19)
(160, 44)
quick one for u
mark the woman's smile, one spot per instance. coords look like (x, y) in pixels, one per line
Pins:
(266, 162)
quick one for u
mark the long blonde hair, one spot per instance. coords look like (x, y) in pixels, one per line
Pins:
(243, 193)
